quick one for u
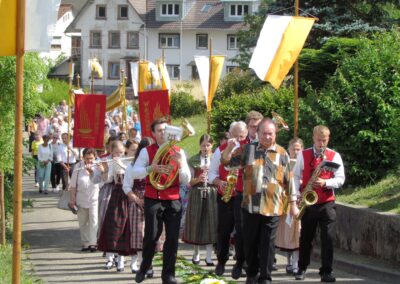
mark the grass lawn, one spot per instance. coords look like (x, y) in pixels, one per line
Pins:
(191, 144)
(383, 196)
(6, 268)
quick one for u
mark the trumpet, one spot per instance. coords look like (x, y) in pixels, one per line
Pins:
(231, 181)
(107, 161)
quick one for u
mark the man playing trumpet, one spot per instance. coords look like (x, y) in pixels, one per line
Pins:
(323, 213)
(161, 206)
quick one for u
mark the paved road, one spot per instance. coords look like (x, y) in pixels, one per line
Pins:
(53, 243)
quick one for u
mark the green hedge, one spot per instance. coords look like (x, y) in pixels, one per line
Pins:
(183, 104)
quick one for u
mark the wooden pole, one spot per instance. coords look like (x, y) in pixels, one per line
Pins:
(20, 43)
(296, 86)
(92, 81)
(69, 109)
(124, 118)
(208, 94)
(2, 210)
(78, 81)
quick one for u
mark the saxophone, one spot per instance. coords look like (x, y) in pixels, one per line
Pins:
(231, 181)
(309, 196)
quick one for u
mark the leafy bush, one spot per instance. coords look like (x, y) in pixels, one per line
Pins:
(264, 101)
(54, 92)
(183, 104)
(361, 105)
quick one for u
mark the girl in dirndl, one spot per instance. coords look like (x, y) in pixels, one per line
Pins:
(201, 214)
(134, 189)
(288, 236)
(115, 231)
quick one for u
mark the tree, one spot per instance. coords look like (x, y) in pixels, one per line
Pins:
(340, 18)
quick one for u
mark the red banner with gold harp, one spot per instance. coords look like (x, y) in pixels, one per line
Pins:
(89, 121)
(152, 105)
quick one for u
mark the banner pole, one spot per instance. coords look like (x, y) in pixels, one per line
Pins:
(296, 85)
(208, 94)
(69, 109)
(20, 43)
(124, 98)
(2, 210)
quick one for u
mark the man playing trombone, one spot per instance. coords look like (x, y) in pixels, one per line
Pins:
(323, 213)
(161, 205)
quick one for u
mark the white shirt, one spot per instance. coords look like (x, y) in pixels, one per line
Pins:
(128, 179)
(139, 170)
(64, 154)
(213, 171)
(45, 153)
(56, 153)
(87, 187)
(333, 183)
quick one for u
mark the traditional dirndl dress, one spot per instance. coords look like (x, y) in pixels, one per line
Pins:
(201, 213)
(287, 237)
(104, 199)
(115, 234)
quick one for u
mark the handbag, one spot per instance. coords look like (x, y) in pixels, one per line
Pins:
(63, 200)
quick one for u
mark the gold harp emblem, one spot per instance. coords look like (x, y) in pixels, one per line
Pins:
(85, 124)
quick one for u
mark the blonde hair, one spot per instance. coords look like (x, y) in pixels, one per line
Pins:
(321, 130)
(296, 140)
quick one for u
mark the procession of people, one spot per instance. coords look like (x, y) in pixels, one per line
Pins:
(247, 191)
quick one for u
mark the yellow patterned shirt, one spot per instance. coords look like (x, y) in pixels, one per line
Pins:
(267, 179)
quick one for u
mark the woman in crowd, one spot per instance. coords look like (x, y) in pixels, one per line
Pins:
(115, 231)
(55, 175)
(84, 195)
(45, 157)
(134, 189)
(201, 215)
(35, 148)
(288, 236)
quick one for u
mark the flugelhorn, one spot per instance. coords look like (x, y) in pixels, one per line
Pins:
(173, 135)
(280, 122)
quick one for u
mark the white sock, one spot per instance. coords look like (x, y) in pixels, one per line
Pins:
(289, 256)
(134, 262)
(109, 256)
(121, 261)
(209, 249)
(196, 253)
(295, 259)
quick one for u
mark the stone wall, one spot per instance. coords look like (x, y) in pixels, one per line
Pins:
(364, 231)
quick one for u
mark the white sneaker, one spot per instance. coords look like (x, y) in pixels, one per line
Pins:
(121, 263)
(57, 189)
(134, 266)
(37, 184)
(109, 265)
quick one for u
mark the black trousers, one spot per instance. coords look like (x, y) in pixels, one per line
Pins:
(65, 175)
(226, 223)
(237, 212)
(157, 213)
(259, 243)
(323, 215)
(55, 175)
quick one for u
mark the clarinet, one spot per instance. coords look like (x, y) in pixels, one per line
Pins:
(204, 189)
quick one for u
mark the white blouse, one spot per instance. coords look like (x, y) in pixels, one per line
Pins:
(45, 153)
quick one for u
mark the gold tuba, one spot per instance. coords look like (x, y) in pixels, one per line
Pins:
(231, 181)
(173, 135)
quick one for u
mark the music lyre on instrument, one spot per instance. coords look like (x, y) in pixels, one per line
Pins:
(280, 122)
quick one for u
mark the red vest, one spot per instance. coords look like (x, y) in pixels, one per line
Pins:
(310, 163)
(172, 192)
(223, 173)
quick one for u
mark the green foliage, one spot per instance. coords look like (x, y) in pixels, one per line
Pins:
(6, 268)
(361, 105)
(54, 92)
(183, 104)
(237, 83)
(340, 18)
(263, 100)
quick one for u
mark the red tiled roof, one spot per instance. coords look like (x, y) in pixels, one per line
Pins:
(64, 8)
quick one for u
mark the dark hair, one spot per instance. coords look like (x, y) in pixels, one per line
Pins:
(45, 136)
(158, 121)
(224, 135)
(111, 139)
(206, 137)
(146, 141)
(129, 143)
(89, 151)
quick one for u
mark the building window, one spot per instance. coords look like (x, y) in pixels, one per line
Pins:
(169, 9)
(133, 40)
(202, 41)
(173, 71)
(95, 39)
(239, 10)
(233, 42)
(114, 40)
(122, 12)
(113, 70)
(230, 69)
(55, 47)
(101, 12)
(169, 41)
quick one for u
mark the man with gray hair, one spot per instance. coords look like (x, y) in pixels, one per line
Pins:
(229, 208)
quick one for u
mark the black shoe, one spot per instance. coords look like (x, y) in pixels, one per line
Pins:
(169, 280)
(289, 270)
(92, 248)
(219, 269)
(236, 271)
(209, 263)
(274, 267)
(328, 277)
(264, 281)
(140, 276)
(300, 275)
(84, 249)
(120, 269)
(195, 262)
(150, 273)
(251, 280)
